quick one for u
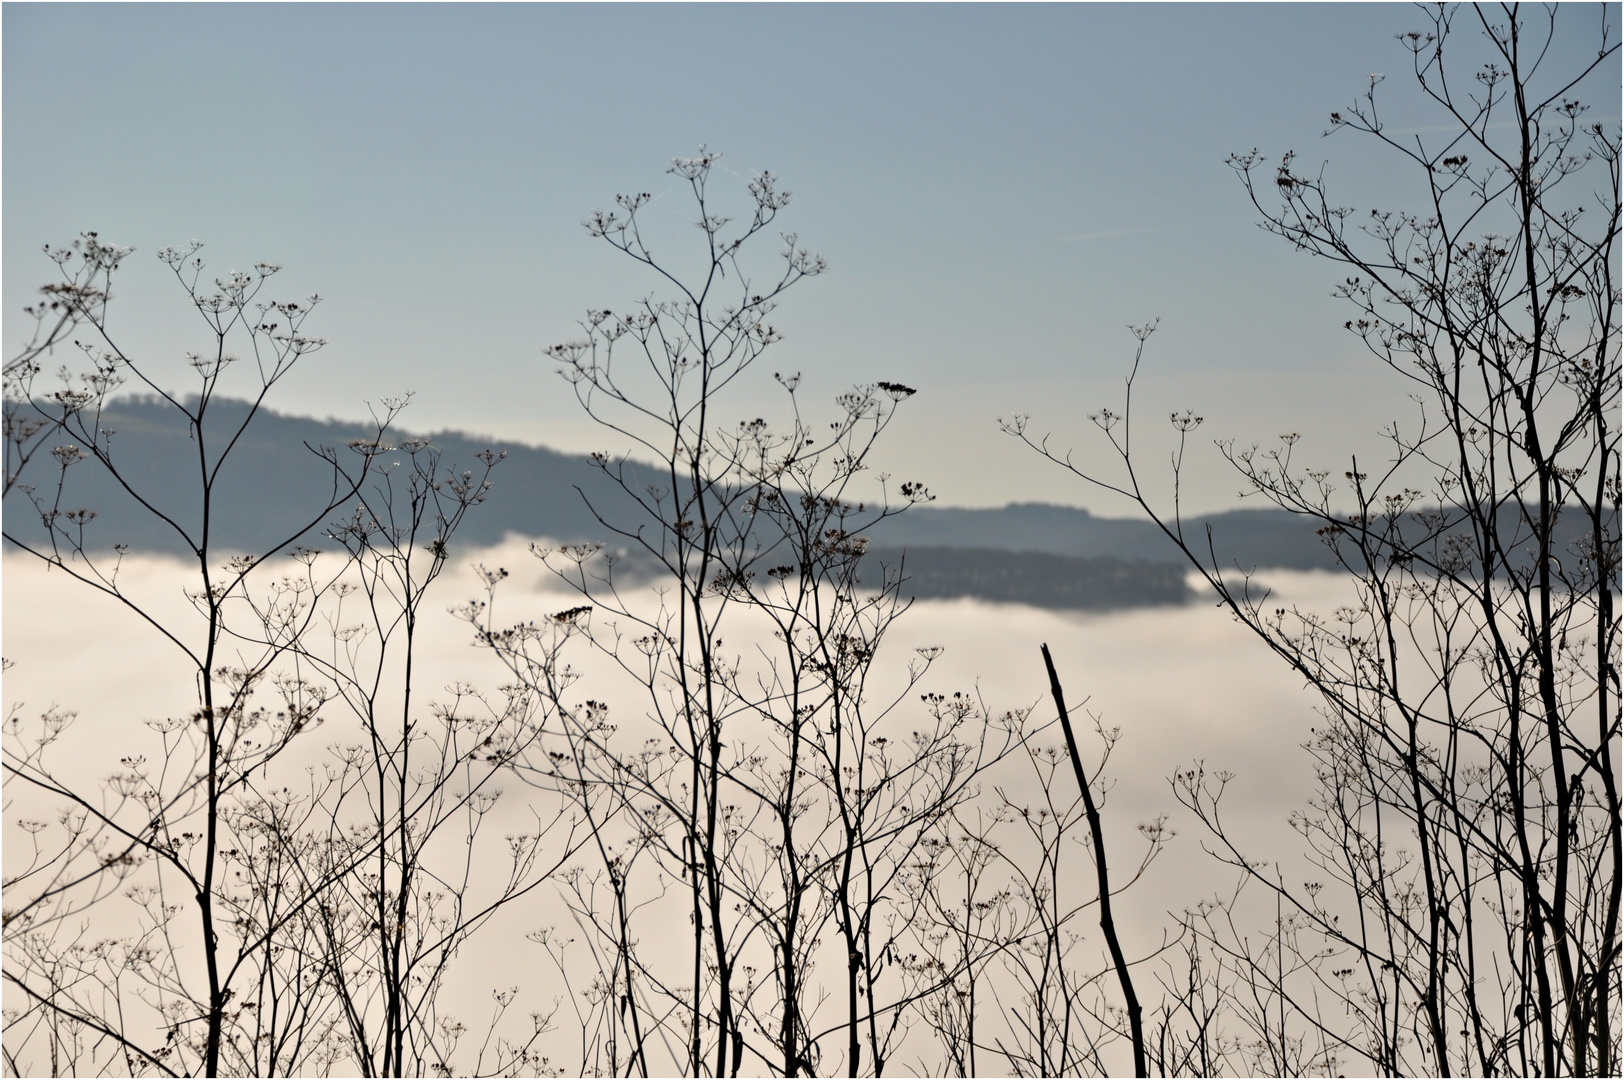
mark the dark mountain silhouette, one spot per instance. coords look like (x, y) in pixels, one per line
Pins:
(1248, 538)
(273, 478)
(1034, 553)
(1034, 577)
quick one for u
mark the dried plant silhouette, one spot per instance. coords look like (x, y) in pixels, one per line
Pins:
(271, 918)
(1466, 834)
(780, 793)
(723, 821)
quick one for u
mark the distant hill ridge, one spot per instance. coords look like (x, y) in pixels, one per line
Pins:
(270, 477)
(1030, 552)
(1261, 537)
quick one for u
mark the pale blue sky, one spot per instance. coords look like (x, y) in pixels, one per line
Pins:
(998, 189)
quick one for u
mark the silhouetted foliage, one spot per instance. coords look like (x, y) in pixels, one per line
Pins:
(1465, 841)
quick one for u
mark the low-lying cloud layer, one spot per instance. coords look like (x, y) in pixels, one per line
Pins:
(1183, 684)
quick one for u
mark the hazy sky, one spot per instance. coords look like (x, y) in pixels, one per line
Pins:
(998, 189)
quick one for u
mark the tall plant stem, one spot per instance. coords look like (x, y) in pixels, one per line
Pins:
(1107, 924)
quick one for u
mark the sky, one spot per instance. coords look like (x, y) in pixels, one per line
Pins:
(999, 191)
